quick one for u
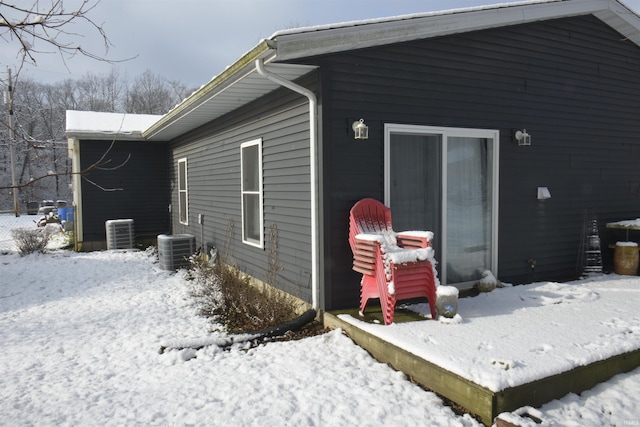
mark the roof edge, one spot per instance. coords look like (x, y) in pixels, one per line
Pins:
(289, 45)
(314, 41)
(97, 125)
(623, 19)
(234, 72)
(105, 136)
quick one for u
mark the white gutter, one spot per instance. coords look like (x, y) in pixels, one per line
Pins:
(313, 148)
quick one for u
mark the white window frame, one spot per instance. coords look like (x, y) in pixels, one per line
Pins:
(183, 189)
(445, 133)
(249, 240)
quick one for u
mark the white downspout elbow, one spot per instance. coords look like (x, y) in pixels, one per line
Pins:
(313, 125)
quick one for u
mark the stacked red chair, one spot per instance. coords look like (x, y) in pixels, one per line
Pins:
(394, 266)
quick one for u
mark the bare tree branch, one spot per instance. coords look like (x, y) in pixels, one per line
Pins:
(98, 165)
(45, 28)
(102, 168)
(38, 125)
(99, 186)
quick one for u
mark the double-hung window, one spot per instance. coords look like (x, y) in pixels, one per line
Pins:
(251, 178)
(183, 207)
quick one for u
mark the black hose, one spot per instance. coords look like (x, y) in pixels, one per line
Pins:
(274, 331)
(291, 325)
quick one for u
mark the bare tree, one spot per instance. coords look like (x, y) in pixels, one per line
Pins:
(38, 126)
(33, 29)
(42, 27)
(34, 126)
(100, 92)
(153, 94)
(39, 147)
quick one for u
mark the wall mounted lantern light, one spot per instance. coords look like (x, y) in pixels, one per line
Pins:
(522, 137)
(360, 130)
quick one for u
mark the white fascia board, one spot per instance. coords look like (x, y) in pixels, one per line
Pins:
(622, 19)
(106, 136)
(326, 40)
(191, 104)
(229, 95)
(231, 75)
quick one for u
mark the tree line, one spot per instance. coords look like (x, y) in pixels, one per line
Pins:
(38, 123)
(32, 127)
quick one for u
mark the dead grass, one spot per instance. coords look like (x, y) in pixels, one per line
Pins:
(226, 296)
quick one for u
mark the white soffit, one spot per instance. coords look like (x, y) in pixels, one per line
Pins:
(232, 93)
(622, 19)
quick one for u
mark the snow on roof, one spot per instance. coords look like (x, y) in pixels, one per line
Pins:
(97, 123)
(313, 28)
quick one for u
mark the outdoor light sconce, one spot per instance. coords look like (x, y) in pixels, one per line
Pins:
(360, 130)
(522, 137)
(543, 193)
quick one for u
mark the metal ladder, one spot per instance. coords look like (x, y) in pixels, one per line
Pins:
(592, 265)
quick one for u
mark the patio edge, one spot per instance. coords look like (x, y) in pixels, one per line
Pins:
(476, 399)
(577, 380)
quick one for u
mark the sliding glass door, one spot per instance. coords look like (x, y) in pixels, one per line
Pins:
(445, 180)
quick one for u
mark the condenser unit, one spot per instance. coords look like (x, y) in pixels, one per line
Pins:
(120, 234)
(174, 250)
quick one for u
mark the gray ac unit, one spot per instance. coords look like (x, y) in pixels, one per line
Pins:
(174, 250)
(120, 234)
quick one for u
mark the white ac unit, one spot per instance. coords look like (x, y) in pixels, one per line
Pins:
(174, 250)
(120, 234)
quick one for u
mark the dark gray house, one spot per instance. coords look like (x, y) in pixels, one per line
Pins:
(117, 174)
(475, 117)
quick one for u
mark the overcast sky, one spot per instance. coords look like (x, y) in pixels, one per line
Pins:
(193, 40)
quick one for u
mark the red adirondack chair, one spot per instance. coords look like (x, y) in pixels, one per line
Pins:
(394, 266)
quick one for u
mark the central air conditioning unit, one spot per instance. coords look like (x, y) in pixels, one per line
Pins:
(174, 250)
(120, 234)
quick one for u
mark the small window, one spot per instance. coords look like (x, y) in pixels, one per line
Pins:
(251, 177)
(183, 206)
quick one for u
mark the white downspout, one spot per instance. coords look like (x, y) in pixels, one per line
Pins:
(313, 113)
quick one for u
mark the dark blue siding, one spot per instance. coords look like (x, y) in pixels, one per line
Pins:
(281, 119)
(138, 174)
(572, 83)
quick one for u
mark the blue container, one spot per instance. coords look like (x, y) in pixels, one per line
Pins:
(66, 214)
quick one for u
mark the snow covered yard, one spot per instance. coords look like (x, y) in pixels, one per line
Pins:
(80, 340)
(81, 333)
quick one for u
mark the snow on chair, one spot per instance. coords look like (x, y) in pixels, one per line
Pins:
(394, 266)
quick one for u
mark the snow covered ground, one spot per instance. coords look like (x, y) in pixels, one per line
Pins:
(80, 335)
(516, 335)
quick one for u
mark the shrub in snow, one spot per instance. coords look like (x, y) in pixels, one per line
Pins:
(205, 287)
(226, 295)
(30, 240)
